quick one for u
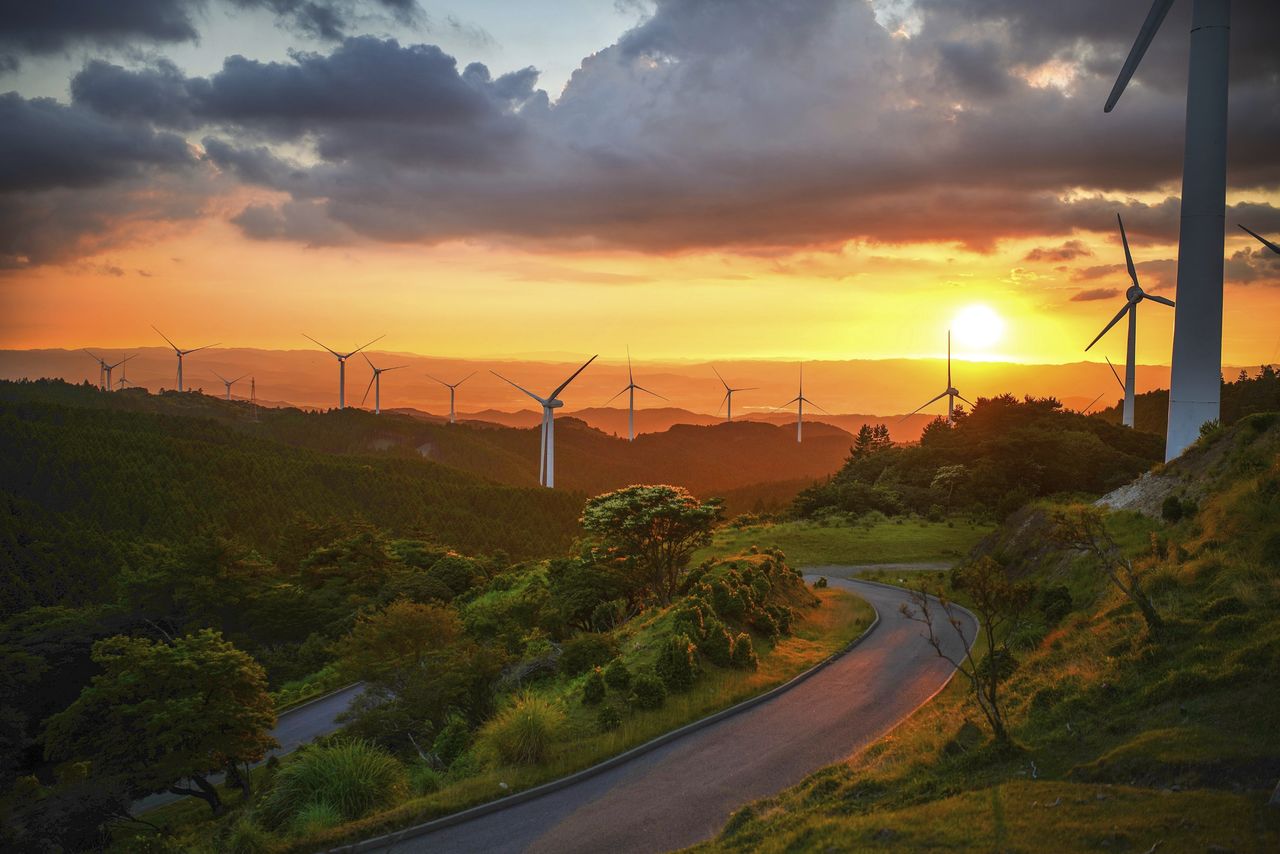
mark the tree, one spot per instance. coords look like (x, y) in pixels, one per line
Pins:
(948, 477)
(161, 713)
(998, 604)
(390, 646)
(656, 529)
(864, 443)
(1085, 529)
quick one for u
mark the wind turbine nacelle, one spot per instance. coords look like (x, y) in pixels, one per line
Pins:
(554, 404)
(1133, 293)
(953, 391)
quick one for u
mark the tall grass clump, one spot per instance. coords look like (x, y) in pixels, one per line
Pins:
(522, 732)
(353, 778)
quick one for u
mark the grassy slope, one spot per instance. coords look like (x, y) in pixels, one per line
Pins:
(894, 541)
(1124, 742)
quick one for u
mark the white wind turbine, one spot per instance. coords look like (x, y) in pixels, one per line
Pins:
(179, 352)
(1134, 295)
(950, 393)
(800, 400)
(631, 390)
(342, 366)
(229, 383)
(550, 403)
(1267, 243)
(102, 367)
(728, 395)
(124, 379)
(1195, 377)
(453, 387)
(110, 368)
(376, 385)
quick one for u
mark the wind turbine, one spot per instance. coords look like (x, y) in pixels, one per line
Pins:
(102, 367)
(800, 400)
(342, 366)
(1262, 240)
(631, 390)
(110, 368)
(179, 352)
(124, 379)
(550, 403)
(728, 395)
(1134, 295)
(950, 393)
(1195, 378)
(376, 385)
(229, 383)
(453, 418)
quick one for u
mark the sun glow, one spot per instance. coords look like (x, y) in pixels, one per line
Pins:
(977, 327)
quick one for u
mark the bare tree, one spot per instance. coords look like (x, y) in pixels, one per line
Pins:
(999, 604)
(1084, 529)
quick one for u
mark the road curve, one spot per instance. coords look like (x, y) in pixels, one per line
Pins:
(682, 792)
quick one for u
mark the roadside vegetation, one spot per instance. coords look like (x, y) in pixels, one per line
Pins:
(1121, 735)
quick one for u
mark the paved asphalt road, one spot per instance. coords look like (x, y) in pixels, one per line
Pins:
(682, 792)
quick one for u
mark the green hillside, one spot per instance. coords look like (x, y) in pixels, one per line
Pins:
(1123, 738)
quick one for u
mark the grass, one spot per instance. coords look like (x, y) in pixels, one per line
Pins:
(893, 541)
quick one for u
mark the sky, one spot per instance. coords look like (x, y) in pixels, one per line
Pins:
(695, 179)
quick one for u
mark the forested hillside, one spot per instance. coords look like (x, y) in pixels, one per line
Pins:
(1244, 395)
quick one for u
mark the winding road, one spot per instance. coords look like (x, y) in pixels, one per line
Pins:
(683, 792)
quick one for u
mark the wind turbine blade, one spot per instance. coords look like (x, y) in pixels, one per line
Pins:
(365, 356)
(358, 349)
(309, 338)
(1128, 257)
(788, 403)
(464, 379)
(1267, 243)
(722, 400)
(1085, 411)
(396, 368)
(966, 400)
(722, 382)
(1161, 300)
(616, 396)
(442, 382)
(630, 379)
(1115, 373)
(237, 379)
(369, 386)
(94, 355)
(922, 406)
(522, 388)
(1155, 17)
(198, 349)
(1113, 322)
(219, 376)
(948, 358)
(166, 338)
(814, 405)
(574, 376)
(654, 393)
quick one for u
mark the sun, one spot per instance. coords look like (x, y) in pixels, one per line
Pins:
(978, 327)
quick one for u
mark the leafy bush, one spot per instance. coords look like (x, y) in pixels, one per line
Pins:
(717, 646)
(1055, 603)
(765, 623)
(617, 676)
(423, 779)
(522, 733)
(608, 718)
(689, 618)
(783, 616)
(593, 688)
(821, 583)
(245, 837)
(454, 737)
(353, 777)
(586, 650)
(744, 652)
(315, 817)
(648, 691)
(1171, 509)
(678, 663)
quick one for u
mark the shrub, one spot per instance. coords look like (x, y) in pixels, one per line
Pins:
(744, 653)
(783, 616)
(593, 688)
(617, 676)
(452, 740)
(717, 646)
(1223, 606)
(523, 731)
(821, 582)
(586, 650)
(354, 777)
(689, 619)
(764, 622)
(677, 662)
(423, 779)
(1055, 603)
(608, 718)
(647, 691)
(1171, 509)
(315, 817)
(246, 837)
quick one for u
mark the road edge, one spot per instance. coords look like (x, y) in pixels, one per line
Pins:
(389, 840)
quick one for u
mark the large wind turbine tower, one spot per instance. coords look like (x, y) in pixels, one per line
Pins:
(453, 387)
(1133, 296)
(1195, 376)
(550, 403)
(342, 366)
(179, 352)
(800, 400)
(630, 390)
(376, 385)
(728, 395)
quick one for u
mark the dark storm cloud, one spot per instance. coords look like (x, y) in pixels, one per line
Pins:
(1254, 266)
(1069, 251)
(1095, 294)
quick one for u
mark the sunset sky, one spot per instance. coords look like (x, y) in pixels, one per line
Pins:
(547, 178)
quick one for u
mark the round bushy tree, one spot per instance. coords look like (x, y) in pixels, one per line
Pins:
(617, 676)
(678, 662)
(717, 646)
(648, 691)
(744, 652)
(593, 689)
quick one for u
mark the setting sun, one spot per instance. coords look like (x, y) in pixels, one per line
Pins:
(978, 326)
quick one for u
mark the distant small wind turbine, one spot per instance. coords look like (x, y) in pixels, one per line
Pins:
(342, 366)
(630, 390)
(102, 367)
(105, 369)
(800, 400)
(453, 387)
(1267, 243)
(950, 393)
(550, 403)
(1134, 295)
(110, 368)
(124, 379)
(376, 385)
(728, 395)
(179, 352)
(229, 383)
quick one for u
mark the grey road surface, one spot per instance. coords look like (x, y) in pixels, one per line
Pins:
(682, 792)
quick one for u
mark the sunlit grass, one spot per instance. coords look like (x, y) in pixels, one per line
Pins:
(893, 541)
